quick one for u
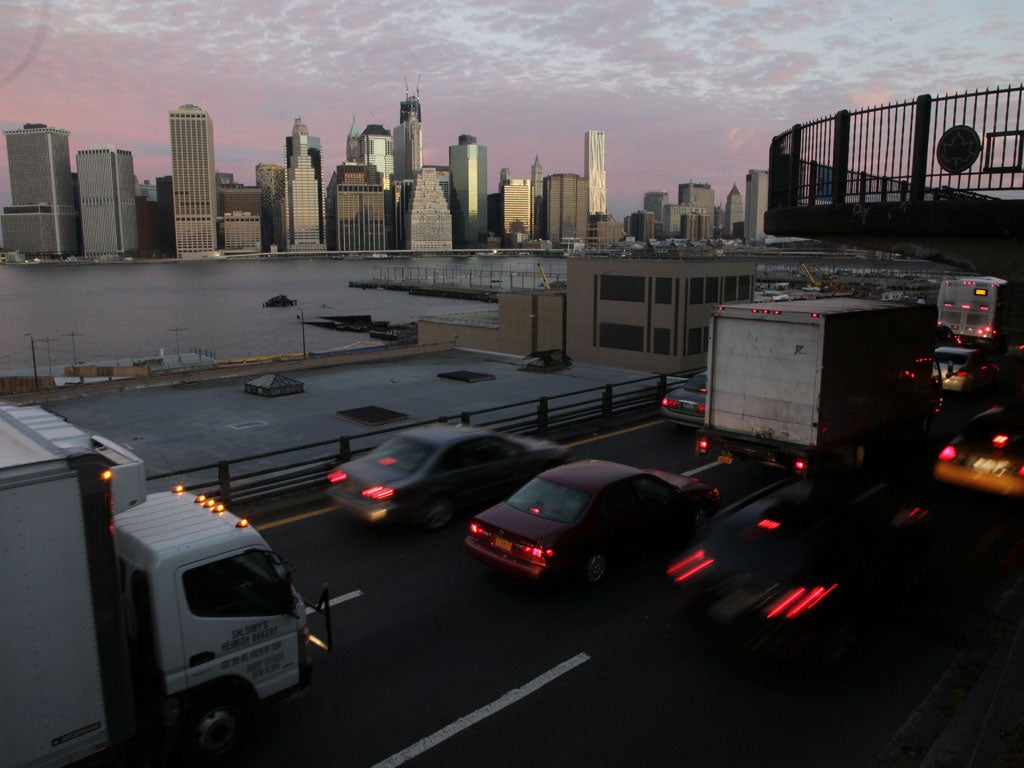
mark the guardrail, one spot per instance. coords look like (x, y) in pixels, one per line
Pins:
(256, 478)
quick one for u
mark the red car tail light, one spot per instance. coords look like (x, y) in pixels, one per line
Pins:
(689, 565)
(477, 530)
(668, 402)
(702, 446)
(336, 476)
(535, 554)
(700, 408)
(1000, 441)
(379, 492)
(947, 454)
(797, 601)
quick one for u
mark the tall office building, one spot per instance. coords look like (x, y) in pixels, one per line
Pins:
(106, 191)
(700, 194)
(733, 212)
(41, 221)
(408, 135)
(270, 181)
(566, 206)
(655, 202)
(516, 212)
(468, 163)
(593, 150)
(376, 148)
(504, 177)
(355, 205)
(428, 222)
(165, 216)
(757, 205)
(303, 193)
(352, 154)
(537, 182)
(195, 186)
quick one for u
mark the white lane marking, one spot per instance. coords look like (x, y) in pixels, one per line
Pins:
(701, 469)
(497, 705)
(338, 600)
(247, 425)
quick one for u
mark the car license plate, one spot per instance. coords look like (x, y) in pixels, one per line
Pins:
(992, 466)
(504, 544)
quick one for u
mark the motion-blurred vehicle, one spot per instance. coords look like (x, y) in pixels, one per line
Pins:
(685, 404)
(945, 337)
(423, 475)
(794, 572)
(963, 369)
(988, 455)
(568, 521)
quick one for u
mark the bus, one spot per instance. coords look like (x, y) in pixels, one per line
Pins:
(974, 308)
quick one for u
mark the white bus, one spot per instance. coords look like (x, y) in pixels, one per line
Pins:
(974, 308)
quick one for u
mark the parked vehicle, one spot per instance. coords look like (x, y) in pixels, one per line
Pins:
(988, 455)
(797, 571)
(568, 521)
(147, 626)
(686, 404)
(817, 380)
(423, 475)
(962, 369)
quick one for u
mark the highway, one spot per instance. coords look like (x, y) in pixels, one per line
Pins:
(440, 662)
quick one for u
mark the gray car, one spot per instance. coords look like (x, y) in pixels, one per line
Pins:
(422, 475)
(685, 405)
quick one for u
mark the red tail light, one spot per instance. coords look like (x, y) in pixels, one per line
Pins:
(379, 492)
(947, 454)
(668, 402)
(477, 530)
(1000, 441)
(797, 601)
(799, 465)
(689, 565)
(336, 476)
(700, 408)
(702, 446)
(768, 524)
(535, 554)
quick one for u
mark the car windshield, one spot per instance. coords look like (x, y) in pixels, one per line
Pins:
(957, 358)
(550, 501)
(401, 453)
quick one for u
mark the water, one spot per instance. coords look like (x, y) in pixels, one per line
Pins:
(133, 310)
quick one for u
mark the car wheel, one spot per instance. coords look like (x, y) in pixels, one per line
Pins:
(701, 518)
(437, 513)
(595, 568)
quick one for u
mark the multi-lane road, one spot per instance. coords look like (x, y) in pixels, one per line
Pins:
(440, 662)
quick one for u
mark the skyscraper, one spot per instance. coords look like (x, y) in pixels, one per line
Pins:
(408, 135)
(428, 223)
(733, 212)
(516, 212)
(565, 202)
(757, 205)
(593, 151)
(468, 163)
(352, 154)
(537, 182)
(106, 189)
(699, 193)
(376, 148)
(655, 202)
(40, 223)
(356, 209)
(270, 181)
(194, 178)
(303, 194)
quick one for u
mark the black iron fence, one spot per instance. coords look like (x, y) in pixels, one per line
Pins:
(251, 479)
(929, 148)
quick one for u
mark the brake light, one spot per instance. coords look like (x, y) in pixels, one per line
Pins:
(668, 402)
(336, 476)
(947, 454)
(702, 446)
(1000, 441)
(799, 465)
(690, 565)
(379, 492)
(797, 601)
(701, 408)
(477, 530)
(535, 554)
(769, 525)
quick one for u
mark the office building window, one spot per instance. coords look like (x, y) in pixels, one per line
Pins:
(697, 341)
(622, 288)
(744, 292)
(619, 336)
(696, 290)
(661, 342)
(711, 290)
(663, 290)
(729, 290)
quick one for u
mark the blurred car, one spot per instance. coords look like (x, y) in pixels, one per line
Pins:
(685, 405)
(422, 475)
(795, 571)
(988, 455)
(963, 369)
(568, 521)
(945, 337)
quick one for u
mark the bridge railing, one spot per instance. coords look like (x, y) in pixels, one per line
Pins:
(927, 148)
(255, 478)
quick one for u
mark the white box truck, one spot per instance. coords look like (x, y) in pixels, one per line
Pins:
(135, 628)
(802, 384)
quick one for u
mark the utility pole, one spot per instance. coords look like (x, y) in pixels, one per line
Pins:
(49, 360)
(302, 321)
(74, 352)
(35, 370)
(177, 348)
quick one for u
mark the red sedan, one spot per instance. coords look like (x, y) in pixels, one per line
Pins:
(569, 520)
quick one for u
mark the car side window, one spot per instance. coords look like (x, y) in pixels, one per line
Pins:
(463, 455)
(618, 501)
(651, 491)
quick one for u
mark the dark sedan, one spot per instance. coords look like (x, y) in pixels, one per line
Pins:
(686, 404)
(424, 474)
(988, 455)
(569, 520)
(800, 568)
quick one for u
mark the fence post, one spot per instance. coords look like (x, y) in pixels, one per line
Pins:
(796, 166)
(840, 156)
(542, 415)
(344, 449)
(224, 479)
(662, 386)
(919, 162)
(465, 418)
(606, 402)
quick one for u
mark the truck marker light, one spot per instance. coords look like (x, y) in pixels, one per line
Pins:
(179, 489)
(200, 499)
(106, 474)
(318, 642)
(211, 503)
(243, 523)
(336, 476)
(219, 509)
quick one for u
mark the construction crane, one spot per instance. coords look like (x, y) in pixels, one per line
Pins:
(831, 285)
(543, 277)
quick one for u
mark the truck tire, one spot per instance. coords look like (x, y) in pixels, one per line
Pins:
(213, 726)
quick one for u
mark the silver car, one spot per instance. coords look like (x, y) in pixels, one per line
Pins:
(686, 404)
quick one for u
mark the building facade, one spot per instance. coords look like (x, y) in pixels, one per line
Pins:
(593, 161)
(41, 221)
(408, 138)
(357, 210)
(537, 182)
(270, 182)
(377, 148)
(655, 202)
(699, 194)
(193, 170)
(428, 222)
(106, 191)
(566, 201)
(303, 208)
(757, 205)
(516, 212)
(468, 163)
(733, 213)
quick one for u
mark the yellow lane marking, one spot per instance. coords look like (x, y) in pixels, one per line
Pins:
(294, 518)
(606, 435)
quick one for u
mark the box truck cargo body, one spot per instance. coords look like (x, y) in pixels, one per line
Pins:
(816, 379)
(135, 627)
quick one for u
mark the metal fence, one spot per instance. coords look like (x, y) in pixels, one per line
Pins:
(251, 479)
(929, 148)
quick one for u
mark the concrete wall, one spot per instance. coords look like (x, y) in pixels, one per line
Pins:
(525, 322)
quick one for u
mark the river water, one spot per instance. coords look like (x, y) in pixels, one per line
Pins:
(124, 311)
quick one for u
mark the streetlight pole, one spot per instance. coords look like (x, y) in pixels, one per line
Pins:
(35, 370)
(74, 352)
(177, 348)
(302, 321)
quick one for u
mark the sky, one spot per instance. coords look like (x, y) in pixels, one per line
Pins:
(684, 90)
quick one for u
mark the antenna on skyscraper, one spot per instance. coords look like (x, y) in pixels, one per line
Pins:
(417, 86)
(406, 87)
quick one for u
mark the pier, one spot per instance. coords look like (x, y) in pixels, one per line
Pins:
(457, 283)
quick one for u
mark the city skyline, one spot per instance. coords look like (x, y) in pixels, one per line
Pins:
(693, 92)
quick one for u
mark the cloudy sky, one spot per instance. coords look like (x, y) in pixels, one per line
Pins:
(683, 89)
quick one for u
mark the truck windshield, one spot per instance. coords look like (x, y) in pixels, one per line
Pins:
(249, 584)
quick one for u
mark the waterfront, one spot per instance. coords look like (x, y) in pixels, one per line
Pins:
(133, 310)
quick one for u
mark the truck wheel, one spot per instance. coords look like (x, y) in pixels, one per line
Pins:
(213, 726)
